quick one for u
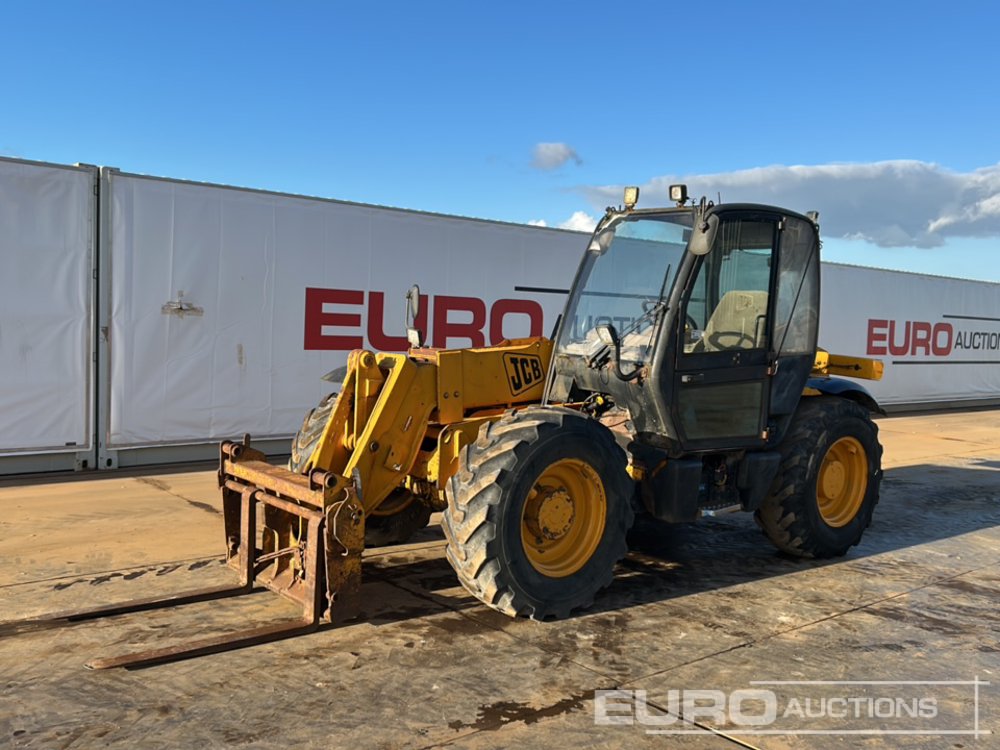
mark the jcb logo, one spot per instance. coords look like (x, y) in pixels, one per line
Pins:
(523, 371)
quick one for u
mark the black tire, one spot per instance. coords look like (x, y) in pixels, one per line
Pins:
(486, 505)
(398, 526)
(380, 529)
(305, 439)
(790, 515)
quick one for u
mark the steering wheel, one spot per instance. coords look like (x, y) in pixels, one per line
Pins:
(723, 340)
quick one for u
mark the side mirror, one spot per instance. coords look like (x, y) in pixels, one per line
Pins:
(600, 350)
(607, 334)
(414, 337)
(703, 234)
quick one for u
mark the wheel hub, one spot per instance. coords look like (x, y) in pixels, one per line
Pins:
(552, 513)
(833, 479)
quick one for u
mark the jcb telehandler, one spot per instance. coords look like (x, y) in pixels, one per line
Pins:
(683, 380)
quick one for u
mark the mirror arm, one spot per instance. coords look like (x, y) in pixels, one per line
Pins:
(414, 336)
(618, 365)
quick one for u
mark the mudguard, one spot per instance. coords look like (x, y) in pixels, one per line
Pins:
(844, 388)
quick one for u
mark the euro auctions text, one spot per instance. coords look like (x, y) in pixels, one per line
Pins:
(802, 707)
(333, 320)
(963, 336)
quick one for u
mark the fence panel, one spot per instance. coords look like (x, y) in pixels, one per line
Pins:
(47, 239)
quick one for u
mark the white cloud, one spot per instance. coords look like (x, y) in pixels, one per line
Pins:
(554, 155)
(890, 203)
(538, 223)
(580, 221)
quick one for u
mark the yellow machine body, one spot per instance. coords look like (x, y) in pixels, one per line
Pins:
(399, 421)
(851, 367)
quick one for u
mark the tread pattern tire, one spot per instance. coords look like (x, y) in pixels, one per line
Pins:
(482, 522)
(305, 439)
(380, 531)
(789, 515)
(396, 528)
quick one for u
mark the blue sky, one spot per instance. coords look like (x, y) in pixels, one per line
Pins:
(889, 111)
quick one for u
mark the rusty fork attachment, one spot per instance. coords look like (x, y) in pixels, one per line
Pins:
(311, 542)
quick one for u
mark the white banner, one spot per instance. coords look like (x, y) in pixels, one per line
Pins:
(228, 305)
(47, 216)
(938, 338)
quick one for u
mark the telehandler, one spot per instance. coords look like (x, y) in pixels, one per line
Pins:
(683, 380)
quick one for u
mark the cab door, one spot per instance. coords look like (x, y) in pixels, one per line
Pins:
(721, 390)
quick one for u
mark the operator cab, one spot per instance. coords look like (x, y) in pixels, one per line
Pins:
(700, 320)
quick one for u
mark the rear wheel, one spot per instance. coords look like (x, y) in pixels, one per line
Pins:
(538, 512)
(396, 519)
(827, 486)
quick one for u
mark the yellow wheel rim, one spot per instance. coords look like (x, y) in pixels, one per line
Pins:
(842, 482)
(562, 521)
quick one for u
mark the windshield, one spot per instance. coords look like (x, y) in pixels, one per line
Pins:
(625, 280)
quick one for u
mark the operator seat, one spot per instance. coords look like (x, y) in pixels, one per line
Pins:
(739, 322)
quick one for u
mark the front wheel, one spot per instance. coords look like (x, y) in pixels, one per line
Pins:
(538, 512)
(827, 486)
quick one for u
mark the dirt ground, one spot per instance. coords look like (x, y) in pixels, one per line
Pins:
(698, 607)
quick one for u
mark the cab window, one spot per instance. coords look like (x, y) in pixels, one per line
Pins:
(728, 305)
